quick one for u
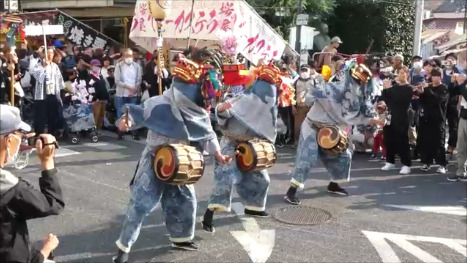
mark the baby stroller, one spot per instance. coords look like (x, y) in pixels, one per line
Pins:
(79, 120)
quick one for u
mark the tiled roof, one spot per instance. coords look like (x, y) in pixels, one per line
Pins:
(442, 24)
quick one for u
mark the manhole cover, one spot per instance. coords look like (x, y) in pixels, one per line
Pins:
(302, 215)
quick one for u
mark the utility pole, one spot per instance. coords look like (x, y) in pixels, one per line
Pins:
(298, 43)
(417, 40)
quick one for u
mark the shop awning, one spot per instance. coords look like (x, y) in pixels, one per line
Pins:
(75, 31)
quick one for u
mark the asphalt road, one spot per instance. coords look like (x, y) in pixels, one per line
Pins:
(367, 226)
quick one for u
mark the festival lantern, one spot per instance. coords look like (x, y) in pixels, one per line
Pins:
(159, 10)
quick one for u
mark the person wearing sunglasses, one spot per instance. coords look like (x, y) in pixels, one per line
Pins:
(19, 200)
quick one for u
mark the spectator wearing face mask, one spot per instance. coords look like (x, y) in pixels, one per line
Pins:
(433, 100)
(417, 74)
(452, 113)
(20, 201)
(128, 78)
(308, 79)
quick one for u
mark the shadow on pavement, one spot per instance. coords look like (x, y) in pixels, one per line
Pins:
(153, 242)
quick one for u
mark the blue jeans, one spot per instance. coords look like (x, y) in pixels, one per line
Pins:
(147, 191)
(122, 101)
(308, 153)
(252, 187)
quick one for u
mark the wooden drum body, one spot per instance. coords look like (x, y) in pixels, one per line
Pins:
(332, 139)
(255, 155)
(361, 74)
(178, 164)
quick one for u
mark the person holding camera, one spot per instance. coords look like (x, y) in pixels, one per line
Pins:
(433, 101)
(20, 201)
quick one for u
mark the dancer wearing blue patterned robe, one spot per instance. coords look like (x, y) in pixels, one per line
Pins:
(342, 102)
(253, 115)
(177, 116)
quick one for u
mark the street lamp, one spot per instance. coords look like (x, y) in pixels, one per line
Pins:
(159, 10)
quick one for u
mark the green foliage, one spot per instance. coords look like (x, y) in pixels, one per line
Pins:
(390, 24)
(269, 10)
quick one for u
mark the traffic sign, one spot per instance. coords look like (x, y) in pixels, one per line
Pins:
(302, 20)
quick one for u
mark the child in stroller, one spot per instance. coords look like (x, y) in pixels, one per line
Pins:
(78, 111)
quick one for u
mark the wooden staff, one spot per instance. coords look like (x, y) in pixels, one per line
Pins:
(126, 116)
(12, 86)
(160, 62)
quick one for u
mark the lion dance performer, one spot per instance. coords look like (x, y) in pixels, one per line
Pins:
(176, 118)
(248, 123)
(336, 105)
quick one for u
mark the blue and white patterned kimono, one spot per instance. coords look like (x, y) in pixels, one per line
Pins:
(174, 117)
(342, 103)
(253, 115)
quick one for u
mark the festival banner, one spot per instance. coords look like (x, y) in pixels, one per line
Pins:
(255, 37)
(76, 32)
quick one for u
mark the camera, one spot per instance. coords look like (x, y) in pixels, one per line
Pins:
(32, 142)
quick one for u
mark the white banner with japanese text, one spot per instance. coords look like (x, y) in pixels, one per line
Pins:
(74, 31)
(255, 37)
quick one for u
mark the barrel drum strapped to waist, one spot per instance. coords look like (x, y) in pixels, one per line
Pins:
(255, 155)
(178, 164)
(331, 138)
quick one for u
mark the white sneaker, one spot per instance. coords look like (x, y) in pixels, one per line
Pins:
(388, 166)
(441, 170)
(405, 170)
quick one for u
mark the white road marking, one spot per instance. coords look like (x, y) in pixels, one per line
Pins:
(73, 257)
(152, 226)
(448, 210)
(62, 152)
(87, 255)
(256, 242)
(387, 254)
(101, 145)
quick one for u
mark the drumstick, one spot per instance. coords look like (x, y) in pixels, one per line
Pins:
(126, 116)
(235, 99)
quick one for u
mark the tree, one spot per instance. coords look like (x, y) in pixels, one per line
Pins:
(281, 14)
(389, 23)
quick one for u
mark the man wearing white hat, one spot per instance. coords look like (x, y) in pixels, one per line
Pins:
(19, 200)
